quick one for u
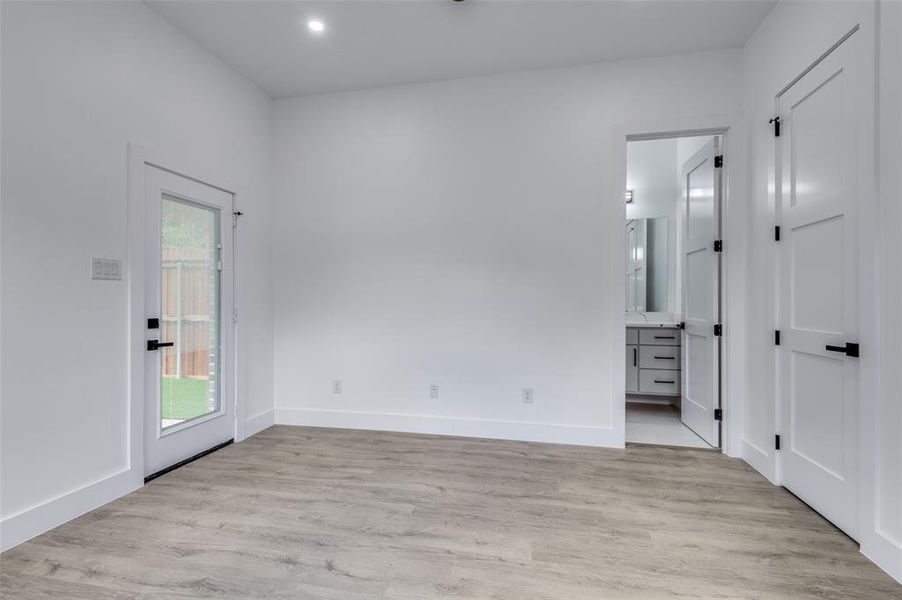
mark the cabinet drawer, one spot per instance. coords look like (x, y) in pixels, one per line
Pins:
(632, 335)
(658, 381)
(659, 357)
(659, 337)
(632, 369)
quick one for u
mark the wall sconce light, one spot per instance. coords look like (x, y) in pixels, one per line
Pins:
(629, 196)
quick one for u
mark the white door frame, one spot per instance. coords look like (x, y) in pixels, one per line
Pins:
(733, 214)
(138, 159)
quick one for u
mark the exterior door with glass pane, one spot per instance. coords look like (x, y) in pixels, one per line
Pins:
(188, 400)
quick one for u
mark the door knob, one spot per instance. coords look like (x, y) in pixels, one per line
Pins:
(850, 349)
(157, 344)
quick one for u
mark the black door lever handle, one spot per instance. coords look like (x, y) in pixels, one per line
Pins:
(157, 344)
(850, 349)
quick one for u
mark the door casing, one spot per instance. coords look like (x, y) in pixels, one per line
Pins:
(731, 128)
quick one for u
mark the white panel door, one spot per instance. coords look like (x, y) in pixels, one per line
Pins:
(189, 397)
(700, 208)
(818, 288)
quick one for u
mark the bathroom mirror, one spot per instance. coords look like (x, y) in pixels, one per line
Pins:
(648, 260)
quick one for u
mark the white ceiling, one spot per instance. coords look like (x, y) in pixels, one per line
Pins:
(376, 43)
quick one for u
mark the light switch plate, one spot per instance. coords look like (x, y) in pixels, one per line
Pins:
(106, 268)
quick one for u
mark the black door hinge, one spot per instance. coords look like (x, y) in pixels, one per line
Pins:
(718, 414)
(776, 122)
(718, 161)
(238, 213)
(718, 329)
(777, 337)
(718, 245)
(777, 233)
(777, 442)
(682, 325)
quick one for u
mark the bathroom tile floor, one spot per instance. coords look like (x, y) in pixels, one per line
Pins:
(659, 424)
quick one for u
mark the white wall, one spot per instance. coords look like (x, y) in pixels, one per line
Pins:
(464, 234)
(650, 168)
(81, 81)
(791, 38)
(887, 538)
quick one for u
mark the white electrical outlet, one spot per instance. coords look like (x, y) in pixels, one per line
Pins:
(433, 391)
(527, 395)
(336, 386)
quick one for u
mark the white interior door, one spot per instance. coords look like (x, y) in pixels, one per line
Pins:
(818, 286)
(189, 400)
(700, 218)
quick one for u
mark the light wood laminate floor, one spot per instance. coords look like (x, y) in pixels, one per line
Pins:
(317, 513)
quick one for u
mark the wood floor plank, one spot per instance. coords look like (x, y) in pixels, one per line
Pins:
(336, 514)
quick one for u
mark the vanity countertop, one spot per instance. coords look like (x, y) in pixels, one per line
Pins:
(653, 324)
(652, 319)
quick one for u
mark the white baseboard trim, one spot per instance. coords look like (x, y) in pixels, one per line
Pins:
(31, 522)
(759, 460)
(259, 422)
(480, 428)
(885, 553)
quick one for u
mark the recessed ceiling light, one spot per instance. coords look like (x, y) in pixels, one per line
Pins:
(315, 25)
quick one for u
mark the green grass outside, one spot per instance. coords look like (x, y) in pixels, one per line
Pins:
(184, 398)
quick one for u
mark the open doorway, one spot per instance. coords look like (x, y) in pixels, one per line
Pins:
(673, 291)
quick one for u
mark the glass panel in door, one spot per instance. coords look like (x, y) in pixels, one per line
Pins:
(190, 288)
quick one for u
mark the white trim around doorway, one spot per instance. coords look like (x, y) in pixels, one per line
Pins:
(138, 159)
(734, 213)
